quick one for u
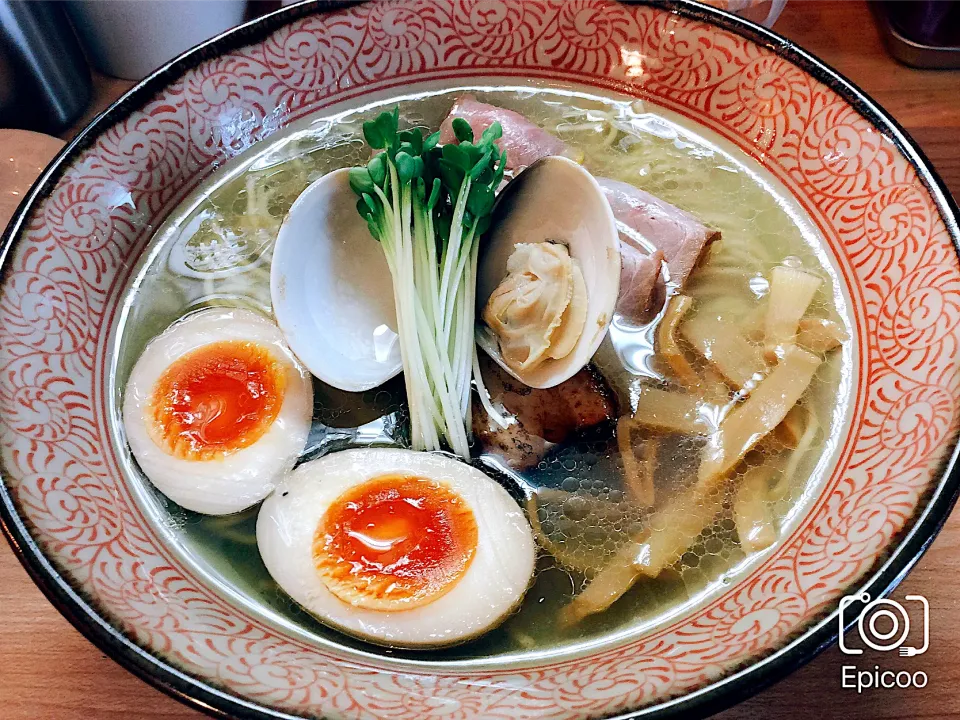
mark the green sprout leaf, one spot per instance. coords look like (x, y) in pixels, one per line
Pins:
(486, 178)
(501, 168)
(374, 227)
(434, 194)
(482, 164)
(386, 123)
(360, 180)
(373, 135)
(462, 130)
(492, 133)
(408, 167)
(377, 167)
(480, 200)
(362, 208)
(451, 175)
(457, 157)
(483, 224)
(412, 139)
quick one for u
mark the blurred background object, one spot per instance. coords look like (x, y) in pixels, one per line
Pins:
(921, 33)
(44, 78)
(931, 22)
(764, 12)
(132, 38)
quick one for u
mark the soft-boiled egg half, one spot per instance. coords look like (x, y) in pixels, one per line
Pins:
(400, 548)
(217, 409)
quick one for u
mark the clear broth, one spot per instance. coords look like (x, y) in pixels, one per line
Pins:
(761, 226)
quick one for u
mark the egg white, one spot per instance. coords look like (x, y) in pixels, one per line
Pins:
(245, 476)
(489, 591)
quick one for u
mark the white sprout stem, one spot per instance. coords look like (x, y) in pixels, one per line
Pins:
(484, 394)
(388, 214)
(430, 244)
(464, 327)
(461, 348)
(403, 331)
(438, 361)
(452, 255)
(468, 326)
(458, 278)
(449, 292)
(424, 415)
(453, 421)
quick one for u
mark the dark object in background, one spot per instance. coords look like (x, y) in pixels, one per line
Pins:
(921, 33)
(930, 22)
(256, 8)
(44, 78)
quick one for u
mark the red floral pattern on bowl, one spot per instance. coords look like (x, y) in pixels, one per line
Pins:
(889, 236)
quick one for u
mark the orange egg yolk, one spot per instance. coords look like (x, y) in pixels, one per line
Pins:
(394, 543)
(216, 399)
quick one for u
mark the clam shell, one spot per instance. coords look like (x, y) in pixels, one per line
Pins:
(554, 199)
(331, 289)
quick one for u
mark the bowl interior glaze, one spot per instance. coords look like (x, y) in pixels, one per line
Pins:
(888, 227)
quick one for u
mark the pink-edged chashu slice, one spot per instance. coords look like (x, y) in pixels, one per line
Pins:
(524, 141)
(639, 282)
(676, 233)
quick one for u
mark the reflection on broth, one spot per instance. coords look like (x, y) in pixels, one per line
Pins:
(650, 476)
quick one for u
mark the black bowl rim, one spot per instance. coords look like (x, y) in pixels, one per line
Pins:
(713, 698)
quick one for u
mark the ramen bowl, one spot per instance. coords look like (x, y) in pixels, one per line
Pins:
(108, 554)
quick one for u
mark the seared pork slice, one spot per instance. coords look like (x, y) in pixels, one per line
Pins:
(639, 276)
(524, 141)
(557, 413)
(538, 419)
(513, 444)
(677, 234)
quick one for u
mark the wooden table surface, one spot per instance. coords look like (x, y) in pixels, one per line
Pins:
(48, 670)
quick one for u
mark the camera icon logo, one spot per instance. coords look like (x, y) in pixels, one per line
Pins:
(888, 612)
